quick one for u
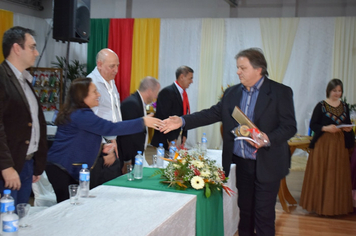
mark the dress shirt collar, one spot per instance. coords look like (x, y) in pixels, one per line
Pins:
(101, 79)
(179, 88)
(256, 86)
(25, 74)
(143, 102)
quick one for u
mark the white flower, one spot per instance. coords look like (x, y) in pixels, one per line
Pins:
(176, 166)
(205, 173)
(197, 182)
(183, 161)
(197, 164)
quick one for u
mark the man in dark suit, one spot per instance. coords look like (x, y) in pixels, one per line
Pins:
(23, 142)
(135, 107)
(259, 167)
(170, 103)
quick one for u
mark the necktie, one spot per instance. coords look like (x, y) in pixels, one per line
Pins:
(186, 107)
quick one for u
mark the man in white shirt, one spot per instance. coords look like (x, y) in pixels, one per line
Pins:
(23, 140)
(107, 166)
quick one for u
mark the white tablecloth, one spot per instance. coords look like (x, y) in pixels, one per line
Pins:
(109, 198)
(231, 211)
(118, 211)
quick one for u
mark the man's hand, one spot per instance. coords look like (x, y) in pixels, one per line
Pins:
(184, 139)
(261, 142)
(113, 141)
(109, 149)
(109, 159)
(35, 178)
(124, 168)
(171, 123)
(11, 178)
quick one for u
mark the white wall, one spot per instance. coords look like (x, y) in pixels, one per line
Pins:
(180, 9)
(107, 8)
(203, 8)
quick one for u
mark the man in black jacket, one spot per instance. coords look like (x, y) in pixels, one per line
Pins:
(259, 167)
(135, 107)
(23, 140)
(170, 102)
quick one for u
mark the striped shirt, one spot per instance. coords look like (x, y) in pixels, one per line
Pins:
(247, 105)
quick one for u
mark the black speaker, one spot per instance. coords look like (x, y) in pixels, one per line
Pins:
(71, 20)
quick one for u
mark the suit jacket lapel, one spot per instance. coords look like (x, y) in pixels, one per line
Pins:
(263, 99)
(138, 98)
(17, 85)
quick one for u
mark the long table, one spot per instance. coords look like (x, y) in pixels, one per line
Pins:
(177, 213)
(118, 211)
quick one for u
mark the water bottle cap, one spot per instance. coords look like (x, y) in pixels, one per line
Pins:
(160, 144)
(204, 133)
(139, 152)
(11, 208)
(173, 142)
(84, 166)
(7, 191)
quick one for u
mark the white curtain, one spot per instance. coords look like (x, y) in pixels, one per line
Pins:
(309, 67)
(211, 74)
(240, 34)
(278, 38)
(43, 28)
(180, 45)
(344, 57)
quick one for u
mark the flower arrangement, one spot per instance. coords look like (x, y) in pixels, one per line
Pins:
(190, 169)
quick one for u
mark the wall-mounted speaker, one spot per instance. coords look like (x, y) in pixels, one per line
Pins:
(71, 20)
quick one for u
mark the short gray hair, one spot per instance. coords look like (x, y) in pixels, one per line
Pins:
(148, 82)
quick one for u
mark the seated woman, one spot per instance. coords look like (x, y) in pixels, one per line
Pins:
(79, 135)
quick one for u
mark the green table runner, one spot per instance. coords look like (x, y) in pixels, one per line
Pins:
(209, 211)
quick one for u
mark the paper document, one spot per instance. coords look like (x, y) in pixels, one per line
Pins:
(345, 125)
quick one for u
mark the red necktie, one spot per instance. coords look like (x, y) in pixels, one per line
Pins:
(186, 107)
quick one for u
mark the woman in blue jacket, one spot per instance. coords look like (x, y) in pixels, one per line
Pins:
(79, 135)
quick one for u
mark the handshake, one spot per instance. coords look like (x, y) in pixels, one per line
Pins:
(165, 126)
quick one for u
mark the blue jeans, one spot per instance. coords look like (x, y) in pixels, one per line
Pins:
(22, 195)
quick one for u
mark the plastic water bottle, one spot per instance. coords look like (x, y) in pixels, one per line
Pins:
(172, 150)
(6, 201)
(204, 144)
(160, 153)
(10, 222)
(138, 170)
(84, 181)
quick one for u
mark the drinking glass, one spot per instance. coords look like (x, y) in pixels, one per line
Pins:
(23, 210)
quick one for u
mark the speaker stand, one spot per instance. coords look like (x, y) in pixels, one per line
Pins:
(65, 72)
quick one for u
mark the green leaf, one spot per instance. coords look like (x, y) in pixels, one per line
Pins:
(207, 190)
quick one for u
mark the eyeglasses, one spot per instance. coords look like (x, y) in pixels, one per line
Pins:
(32, 47)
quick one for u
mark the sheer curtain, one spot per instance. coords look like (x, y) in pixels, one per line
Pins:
(278, 36)
(6, 19)
(344, 57)
(145, 50)
(309, 67)
(211, 73)
(240, 34)
(180, 45)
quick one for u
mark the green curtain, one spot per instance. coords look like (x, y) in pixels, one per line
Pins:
(99, 33)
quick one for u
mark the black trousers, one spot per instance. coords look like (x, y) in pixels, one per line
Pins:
(256, 200)
(60, 179)
(100, 174)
